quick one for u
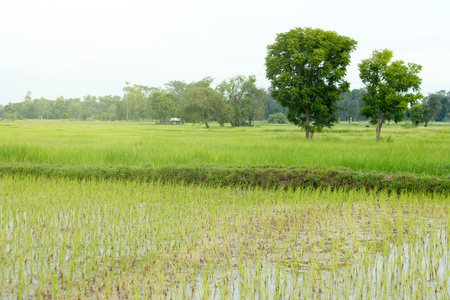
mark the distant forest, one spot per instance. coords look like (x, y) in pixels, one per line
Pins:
(142, 103)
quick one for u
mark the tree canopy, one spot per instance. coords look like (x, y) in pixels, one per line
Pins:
(163, 106)
(416, 114)
(245, 99)
(431, 107)
(202, 105)
(390, 86)
(306, 68)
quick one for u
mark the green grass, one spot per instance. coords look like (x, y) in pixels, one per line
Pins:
(63, 238)
(422, 151)
(96, 210)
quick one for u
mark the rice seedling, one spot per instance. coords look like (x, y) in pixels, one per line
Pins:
(62, 238)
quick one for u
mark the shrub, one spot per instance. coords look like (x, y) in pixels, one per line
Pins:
(278, 118)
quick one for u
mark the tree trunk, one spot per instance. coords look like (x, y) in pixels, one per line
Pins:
(312, 134)
(308, 120)
(206, 123)
(379, 124)
(426, 123)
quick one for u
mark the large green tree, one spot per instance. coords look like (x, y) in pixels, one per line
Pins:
(202, 105)
(306, 68)
(390, 85)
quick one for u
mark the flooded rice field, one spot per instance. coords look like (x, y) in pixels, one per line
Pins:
(62, 238)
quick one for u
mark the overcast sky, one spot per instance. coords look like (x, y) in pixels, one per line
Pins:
(75, 48)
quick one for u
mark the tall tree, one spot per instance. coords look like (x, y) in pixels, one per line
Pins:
(391, 86)
(28, 108)
(202, 105)
(258, 105)
(135, 102)
(239, 92)
(176, 87)
(306, 68)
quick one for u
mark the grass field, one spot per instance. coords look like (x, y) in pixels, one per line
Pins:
(119, 236)
(421, 150)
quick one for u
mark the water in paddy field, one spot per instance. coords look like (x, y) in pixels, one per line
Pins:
(406, 269)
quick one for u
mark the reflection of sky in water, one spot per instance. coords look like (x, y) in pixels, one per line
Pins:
(396, 271)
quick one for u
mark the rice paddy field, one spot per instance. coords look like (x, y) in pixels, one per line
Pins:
(418, 150)
(120, 239)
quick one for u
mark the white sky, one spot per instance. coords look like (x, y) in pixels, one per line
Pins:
(75, 48)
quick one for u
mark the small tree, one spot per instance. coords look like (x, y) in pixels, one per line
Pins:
(306, 68)
(278, 118)
(65, 116)
(202, 105)
(391, 86)
(431, 107)
(163, 106)
(240, 93)
(416, 114)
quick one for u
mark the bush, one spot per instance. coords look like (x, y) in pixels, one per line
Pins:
(278, 118)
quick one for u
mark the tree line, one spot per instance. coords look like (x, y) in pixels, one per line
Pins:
(136, 105)
(237, 101)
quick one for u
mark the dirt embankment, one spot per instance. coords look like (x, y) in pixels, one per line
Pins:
(261, 176)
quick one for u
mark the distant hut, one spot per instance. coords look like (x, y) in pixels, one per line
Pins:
(176, 121)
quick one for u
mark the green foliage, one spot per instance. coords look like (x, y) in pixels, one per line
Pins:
(105, 239)
(135, 104)
(431, 105)
(390, 85)
(444, 112)
(246, 100)
(65, 116)
(177, 87)
(202, 105)
(75, 110)
(306, 68)
(416, 114)
(278, 118)
(10, 113)
(268, 177)
(272, 106)
(162, 105)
